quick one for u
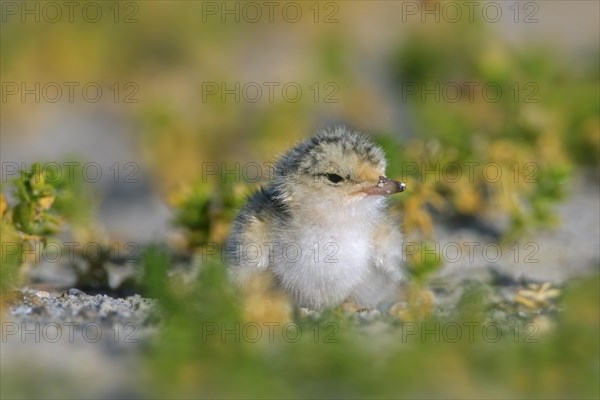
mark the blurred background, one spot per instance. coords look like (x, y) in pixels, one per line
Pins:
(169, 113)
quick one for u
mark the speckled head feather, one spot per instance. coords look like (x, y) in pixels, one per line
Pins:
(329, 151)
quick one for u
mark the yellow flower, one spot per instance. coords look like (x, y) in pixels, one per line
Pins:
(536, 295)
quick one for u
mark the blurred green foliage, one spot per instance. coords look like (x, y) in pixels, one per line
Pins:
(32, 214)
(28, 223)
(490, 153)
(46, 202)
(209, 349)
(206, 212)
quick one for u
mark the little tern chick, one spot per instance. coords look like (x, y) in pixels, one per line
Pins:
(322, 227)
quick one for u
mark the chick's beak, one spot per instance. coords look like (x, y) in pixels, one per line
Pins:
(385, 187)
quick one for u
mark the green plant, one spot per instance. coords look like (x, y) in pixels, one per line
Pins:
(483, 153)
(44, 201)
(205, 211)
(28, 224)
(209, 348)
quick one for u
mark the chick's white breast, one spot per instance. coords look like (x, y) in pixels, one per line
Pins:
(320, 266)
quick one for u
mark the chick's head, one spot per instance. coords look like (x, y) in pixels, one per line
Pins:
(335, 167)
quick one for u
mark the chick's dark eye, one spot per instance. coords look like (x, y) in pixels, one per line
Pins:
(334, 178)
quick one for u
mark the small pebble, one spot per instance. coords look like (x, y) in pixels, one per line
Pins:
(36, 301)
(303, 311)
(75, 292)
(308, 313)
(368, 315)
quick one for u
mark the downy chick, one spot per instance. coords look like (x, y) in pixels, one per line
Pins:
(322, 227)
